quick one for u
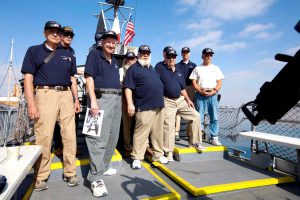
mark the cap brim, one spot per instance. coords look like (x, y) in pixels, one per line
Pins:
(107, 36)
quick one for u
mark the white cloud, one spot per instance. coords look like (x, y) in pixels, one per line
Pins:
(255, 28)
(213, 36)
(291, 51)
(231, 47)
(203, 25)
(268, 36)
(230, 9)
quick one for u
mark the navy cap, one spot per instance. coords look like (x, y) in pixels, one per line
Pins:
(52, 24)
(107, 34)
(167, 48)
(130, 54)
(144, 48)
(207, 50)
(171, 52)
(68, 29)
(185, 49)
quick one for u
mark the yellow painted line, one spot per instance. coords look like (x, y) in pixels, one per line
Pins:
(242, 185)
(222, 187)
(117, 157)
(28, 192)
(29, 143)
(193, 150)
(173, 195)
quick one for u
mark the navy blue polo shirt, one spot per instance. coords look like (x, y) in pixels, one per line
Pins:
(146, 86)
(173, 81)
(104, 73)
(72, 51)
(57, 71)
(186, 70)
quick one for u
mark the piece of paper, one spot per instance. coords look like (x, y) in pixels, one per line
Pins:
(93, 124)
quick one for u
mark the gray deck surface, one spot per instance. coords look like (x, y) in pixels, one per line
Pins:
(127, 184)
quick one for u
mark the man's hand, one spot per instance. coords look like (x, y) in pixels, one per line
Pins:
(130, 110)
(33, 111)
(77, 106)
(190, 104)
(94, 108)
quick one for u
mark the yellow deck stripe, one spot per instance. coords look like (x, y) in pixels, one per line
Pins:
(193, 150)
(222, 187)
(173, 195)
(59, 165)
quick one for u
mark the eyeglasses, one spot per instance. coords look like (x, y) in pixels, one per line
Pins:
(71, 35)
(145, 52)
(209, 55)
(171, 57)
(53, 31)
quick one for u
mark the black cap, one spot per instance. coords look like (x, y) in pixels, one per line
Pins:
(130, 54)
(185, 49)
(107, 34)
(144, 48)
(171, 52)
(68, 29)
(207, 50)
(167, 48)
(52, 24)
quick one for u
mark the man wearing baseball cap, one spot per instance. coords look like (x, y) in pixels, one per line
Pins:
(186, 66)
(177, 102)
(66, 41)
(104, 92)
(144, 95)
(130, 59)
(49, 80)
(207, 81)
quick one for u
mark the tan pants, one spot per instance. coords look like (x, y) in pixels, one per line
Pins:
(148, 123)
(191, 93)
(181, 108)
(53, 105)
(126, 125)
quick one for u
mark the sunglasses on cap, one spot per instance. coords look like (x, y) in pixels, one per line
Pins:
(171, 56)
(68, 34)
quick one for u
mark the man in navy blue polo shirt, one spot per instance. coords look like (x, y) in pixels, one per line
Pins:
(186, 66)
(177, 102)
(144, 95)
(49, 73)
(104, 92)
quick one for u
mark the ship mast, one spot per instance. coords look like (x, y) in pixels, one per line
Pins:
(10, 68)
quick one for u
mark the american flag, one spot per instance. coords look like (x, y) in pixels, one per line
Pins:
(129, 33)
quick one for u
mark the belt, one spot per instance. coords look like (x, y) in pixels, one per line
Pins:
(103, 91)
(56, 88)
(207, 89)
(173, 98)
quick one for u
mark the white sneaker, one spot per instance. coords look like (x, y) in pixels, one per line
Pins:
(170, 157)
(98, 188)
(110, 172)
(136, 164)
(200, 147)
(163, 160)
(216, 142)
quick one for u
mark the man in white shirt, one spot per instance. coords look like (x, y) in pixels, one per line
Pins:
(207, 81)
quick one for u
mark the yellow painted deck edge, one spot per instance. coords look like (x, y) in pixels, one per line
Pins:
(170, 196)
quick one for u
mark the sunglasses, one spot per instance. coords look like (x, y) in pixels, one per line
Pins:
(131, 58)
(173, 57)
(145, 52)
(53, 31)
(71, 35)
(209, 55)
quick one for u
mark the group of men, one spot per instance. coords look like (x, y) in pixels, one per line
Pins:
(153, 95)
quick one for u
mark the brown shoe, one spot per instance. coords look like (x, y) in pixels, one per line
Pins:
(59, 151)
(40, 185)
(72, 180)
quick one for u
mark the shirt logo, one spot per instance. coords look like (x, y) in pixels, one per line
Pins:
(66, 58)
(116, 66)
(179, 74)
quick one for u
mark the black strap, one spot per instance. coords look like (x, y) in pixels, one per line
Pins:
(49, 57)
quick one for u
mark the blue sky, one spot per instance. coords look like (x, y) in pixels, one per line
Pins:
(245, 34)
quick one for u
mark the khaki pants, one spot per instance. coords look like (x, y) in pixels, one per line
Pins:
(126, 125)
(181, 108)
(191, 93)
(148, 122)
(52, 106)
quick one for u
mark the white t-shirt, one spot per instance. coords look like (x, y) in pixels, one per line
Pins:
(207, 75)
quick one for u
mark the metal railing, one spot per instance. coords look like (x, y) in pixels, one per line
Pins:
(8, 117)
